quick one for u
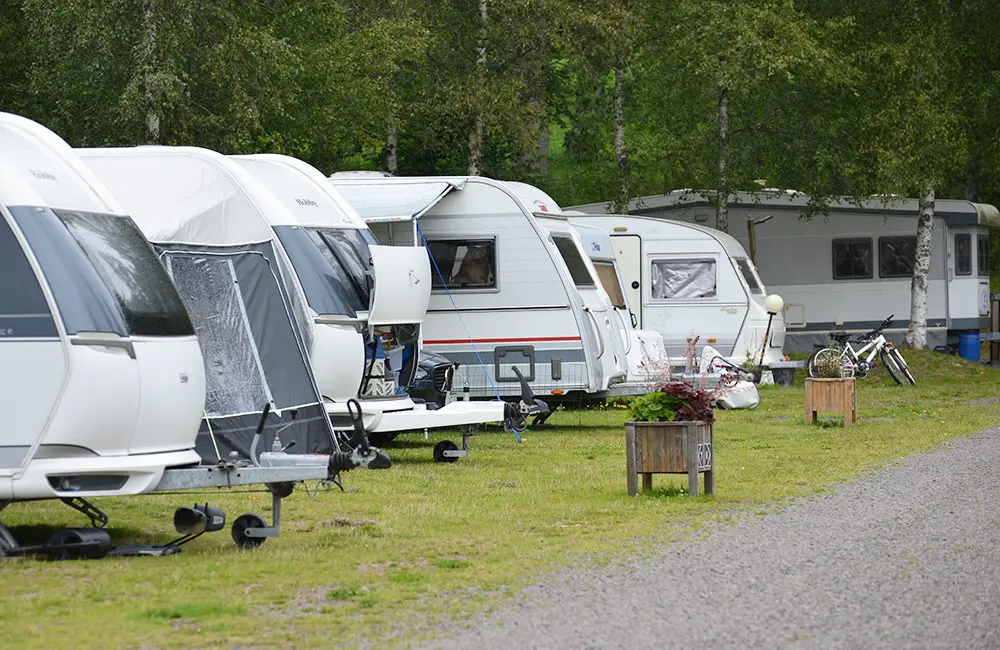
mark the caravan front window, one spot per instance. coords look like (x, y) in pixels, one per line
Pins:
(683, 279)
(984, 254)
(333, 266)
(963, 254)
(23, 310)
(749, 276)
(571, 255)
(464, 263)
(103, 273)
(608, 275)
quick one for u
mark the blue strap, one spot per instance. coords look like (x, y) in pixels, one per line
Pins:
(461, 320)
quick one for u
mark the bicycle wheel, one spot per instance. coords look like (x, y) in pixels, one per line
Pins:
(821, 358)
(898, 357)
(890, 363)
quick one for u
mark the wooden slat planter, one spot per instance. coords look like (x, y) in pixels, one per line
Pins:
(831, 396)
(669, 448)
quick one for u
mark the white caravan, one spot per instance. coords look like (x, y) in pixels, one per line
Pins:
(101, 379)
(688, 280)
(851, 269)
(367, 303)
(647, 358)
(503, 291)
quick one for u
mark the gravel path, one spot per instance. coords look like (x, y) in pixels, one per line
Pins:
(908, 557)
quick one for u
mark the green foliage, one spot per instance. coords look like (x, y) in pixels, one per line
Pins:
(654, 407)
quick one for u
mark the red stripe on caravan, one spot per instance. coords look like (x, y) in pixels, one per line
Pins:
(538, 339)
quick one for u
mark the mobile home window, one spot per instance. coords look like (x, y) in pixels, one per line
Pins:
(963, 254)
(608, 275)
(464, 263)
(852, 259)
(571, 255)
(751, 278)
(23, 310)
(682, 279)
(984, 254)
(896, 256)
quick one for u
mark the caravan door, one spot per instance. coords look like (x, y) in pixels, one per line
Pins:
(402, 285)
(628, 251)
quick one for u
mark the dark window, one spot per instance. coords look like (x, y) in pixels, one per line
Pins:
(683, 279)
(330, 285)
(896, 256)
(23, 310)
(131, 271)
(570, 253)
(464, 263)
(852, 259)
(984, 254)
(748, 274)
(963, 254)
(103, 273)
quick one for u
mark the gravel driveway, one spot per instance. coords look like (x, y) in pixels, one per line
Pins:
(907, 557)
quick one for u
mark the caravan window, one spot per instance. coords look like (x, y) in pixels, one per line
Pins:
(683, 279)
(103, 273)
(608, 275)
(571, 255)
(852, 259)
(23, 310)
(330, 266)
(746, 270)
(963, 254)
(464, 263)
(896, 256)
(984, 254)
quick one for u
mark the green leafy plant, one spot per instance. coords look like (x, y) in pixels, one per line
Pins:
(675, 401)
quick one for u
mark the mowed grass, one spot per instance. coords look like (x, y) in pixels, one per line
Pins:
(422, 543)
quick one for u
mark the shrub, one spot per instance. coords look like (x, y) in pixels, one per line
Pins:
(675, 401)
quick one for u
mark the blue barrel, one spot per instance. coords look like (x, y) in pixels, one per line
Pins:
(968, 346)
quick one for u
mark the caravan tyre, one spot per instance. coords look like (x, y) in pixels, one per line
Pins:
(381, 438)
(242, 524)
(443, 446)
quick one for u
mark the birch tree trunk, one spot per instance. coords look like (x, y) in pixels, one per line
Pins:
(391, 161)
(476, 135)
(152, 134)
(621, 150)
(916, 337)
(722, 207)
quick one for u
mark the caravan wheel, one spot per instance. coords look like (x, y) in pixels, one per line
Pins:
(244, 523)
(443, 446)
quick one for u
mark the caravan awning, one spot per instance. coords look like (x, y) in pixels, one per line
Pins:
(394, 201)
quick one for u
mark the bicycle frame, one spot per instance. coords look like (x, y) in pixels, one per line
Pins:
(874, 345)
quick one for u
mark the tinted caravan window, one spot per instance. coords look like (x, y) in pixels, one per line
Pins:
(984, 254)
(131, 271)
(749, 276)
(328, 284)
(609, 280)
(571, 255)
(963, 254)
(852, 259)
(896, 256)
(464, 263)
(103, 274)
(23, 310)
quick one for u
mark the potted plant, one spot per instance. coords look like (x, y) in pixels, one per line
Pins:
(831, 389)
(671, 432)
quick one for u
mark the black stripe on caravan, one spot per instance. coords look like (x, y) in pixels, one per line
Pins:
(572, 355)
(865, 325)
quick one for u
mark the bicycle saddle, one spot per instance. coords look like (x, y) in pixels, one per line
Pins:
(840, 336)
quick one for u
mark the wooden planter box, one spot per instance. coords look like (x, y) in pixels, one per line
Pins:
(669, 448)
(831, 396)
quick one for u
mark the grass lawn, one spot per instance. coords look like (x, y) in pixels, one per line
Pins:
(423, 542)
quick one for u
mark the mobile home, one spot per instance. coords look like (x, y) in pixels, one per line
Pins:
(688, 280)
(503, 294)
(852, 268)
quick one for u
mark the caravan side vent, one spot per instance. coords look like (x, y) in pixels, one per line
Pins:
(556, 368)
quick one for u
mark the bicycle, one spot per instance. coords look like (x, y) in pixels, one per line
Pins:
(860, 360)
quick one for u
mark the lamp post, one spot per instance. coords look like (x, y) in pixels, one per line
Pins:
(773, 304)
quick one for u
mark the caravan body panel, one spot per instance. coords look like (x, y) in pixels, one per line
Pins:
(81, 362)
(849, 270)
